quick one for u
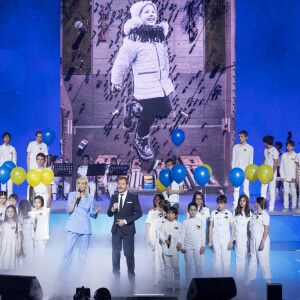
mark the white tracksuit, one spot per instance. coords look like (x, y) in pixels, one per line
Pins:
(256, 227)
(155, 219)
(193, 238)
(242, 156)
(220, 241)
(7, 153)
(270, 155)
(241, 247)
(298, 173)
(170, 254)
(288, 172)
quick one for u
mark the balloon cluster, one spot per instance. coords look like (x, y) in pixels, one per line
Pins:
(166, 176)
(178, 173)
(8, 170)
(264, 174)
(18, 175)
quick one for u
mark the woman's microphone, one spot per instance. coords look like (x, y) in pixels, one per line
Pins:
(79, 198)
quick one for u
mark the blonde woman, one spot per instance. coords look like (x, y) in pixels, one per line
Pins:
(80, 209)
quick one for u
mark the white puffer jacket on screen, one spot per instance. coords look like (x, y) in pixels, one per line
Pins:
(150, 65)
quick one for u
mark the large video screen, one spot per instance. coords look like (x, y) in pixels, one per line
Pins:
(133, 73)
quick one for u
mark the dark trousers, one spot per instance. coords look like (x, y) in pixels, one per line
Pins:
(152, 108)
(128, 247)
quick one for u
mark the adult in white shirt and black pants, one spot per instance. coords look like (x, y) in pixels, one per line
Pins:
(7, 153)
(242, 156)
(270, 158)
(174, 190)
(125, 208)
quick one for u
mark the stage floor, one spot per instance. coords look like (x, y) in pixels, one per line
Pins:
(284, 257)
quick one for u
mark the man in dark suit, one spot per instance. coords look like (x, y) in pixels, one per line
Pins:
(125, 207)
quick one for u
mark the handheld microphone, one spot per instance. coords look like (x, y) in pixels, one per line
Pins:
(78, 199)
(169, 239)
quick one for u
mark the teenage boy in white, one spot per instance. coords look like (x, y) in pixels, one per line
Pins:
(242, 156)
(170, 236)
(7, 153)
(174, 190)
(41, 189)
(270, 158)
(33, 149)
(298, 178)
(288, 176)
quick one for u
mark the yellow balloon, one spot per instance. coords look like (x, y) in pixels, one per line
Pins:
(47, 176)
(160, 186)
(18, 175)
(265, 173)
(208, 167)
(33, 177)
(251, 172)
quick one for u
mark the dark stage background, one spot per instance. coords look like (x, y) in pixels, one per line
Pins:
(267, 80)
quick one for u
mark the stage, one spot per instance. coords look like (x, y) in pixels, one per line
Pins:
(284, 256)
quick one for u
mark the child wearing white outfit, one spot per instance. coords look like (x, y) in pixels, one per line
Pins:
(170, 236)
(154, 220)
(202, 210)
(298, 178)
(145, 49)
(40, 215)
(7, 153)
(27, 223)
(220, 238)
(242, 217)
(3, 199)
(288, 176)
(259, 241)
(10, 240)
(154, 223)
(193, 241)
(271, 156)
(242, 156)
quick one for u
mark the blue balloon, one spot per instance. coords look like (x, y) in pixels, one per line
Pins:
(165, 177)
(48, 136)
(178, 173)
(236, 177)
(201, 176)
(178, 137)
(4, 174)
(9, 164)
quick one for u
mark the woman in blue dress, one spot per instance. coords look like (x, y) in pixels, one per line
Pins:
(80, 209)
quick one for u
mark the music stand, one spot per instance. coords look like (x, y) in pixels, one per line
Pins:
(119, 170)
(63, 170)
(96, 170)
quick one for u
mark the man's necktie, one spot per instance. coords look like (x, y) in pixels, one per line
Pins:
(121, 203)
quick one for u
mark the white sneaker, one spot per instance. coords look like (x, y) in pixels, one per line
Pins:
(285, 210)
(268, 280)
